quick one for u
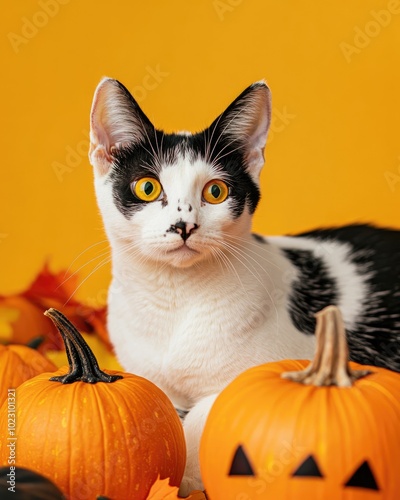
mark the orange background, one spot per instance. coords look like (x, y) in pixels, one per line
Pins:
(333, 155)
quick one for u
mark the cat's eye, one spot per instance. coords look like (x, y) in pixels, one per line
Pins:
(146, 189)
(215, 191)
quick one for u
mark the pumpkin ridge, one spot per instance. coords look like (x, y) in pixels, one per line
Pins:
(120, 412)
(103, 417)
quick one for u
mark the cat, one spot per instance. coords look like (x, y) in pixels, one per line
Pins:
(195, 297)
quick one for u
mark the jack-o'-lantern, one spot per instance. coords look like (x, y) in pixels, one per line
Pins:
(327, 430)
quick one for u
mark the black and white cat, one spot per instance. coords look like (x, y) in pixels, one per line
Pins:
(196, 298)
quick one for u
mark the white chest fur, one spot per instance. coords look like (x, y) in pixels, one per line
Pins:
(191, 331)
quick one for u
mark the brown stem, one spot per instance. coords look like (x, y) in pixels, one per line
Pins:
(330, 364)
(83, 365)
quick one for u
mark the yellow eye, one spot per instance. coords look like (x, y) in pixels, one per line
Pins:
(215, 191)
(147, 189)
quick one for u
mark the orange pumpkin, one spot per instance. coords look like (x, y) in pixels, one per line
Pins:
(19, 363)
(27, 319)
(328, 429)
(95, 432)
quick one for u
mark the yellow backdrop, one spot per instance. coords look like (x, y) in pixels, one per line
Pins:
(333, 155)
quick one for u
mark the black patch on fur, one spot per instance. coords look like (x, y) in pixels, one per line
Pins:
(138, 161)
(158, 149)
(375, 340)
(259, 238)
(181, 413)
(313, 290)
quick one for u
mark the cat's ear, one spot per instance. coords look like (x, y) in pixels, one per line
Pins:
(246, 122)
(116, 121)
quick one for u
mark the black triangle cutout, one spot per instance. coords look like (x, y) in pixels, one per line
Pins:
(240, 464)
(308, 468)
(363, 477)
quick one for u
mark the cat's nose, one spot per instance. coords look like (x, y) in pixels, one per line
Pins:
(185, 229)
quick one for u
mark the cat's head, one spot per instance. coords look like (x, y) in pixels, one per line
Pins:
(177, 198)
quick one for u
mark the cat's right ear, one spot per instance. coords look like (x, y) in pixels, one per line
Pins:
(116, 121)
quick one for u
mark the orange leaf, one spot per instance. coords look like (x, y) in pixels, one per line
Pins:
(22, 319)
(162, 490)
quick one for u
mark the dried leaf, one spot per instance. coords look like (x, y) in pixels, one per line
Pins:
(162, 490)
(21, 315)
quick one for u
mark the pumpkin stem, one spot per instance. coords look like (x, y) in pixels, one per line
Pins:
(330, 364)
(82, 362)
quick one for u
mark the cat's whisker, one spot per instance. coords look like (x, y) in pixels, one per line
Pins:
(98, 266)
(162, 141)
(248, 258)
(206, 135)
(229, 265)
(82, 266)
(159, 156)
(234, 253)
(211, 138)
(156, 158)
(243, 244)
(219, 155)
(106, 260)
(84, 251)
(244, 253)
(235, 115)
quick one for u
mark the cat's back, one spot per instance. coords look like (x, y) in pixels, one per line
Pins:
(356, 267)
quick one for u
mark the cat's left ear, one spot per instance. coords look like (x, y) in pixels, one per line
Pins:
(246, 123)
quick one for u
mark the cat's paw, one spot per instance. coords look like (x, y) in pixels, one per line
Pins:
(188, 485)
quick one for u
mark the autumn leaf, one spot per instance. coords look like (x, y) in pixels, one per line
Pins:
(21, 315)
(162, 490)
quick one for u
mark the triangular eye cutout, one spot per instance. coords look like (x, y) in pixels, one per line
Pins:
(363, 477)
(308, 468)
(240, 464)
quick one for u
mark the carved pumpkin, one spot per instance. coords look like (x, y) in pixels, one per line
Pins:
(19, 363)
(95, 433)
(294, 429)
